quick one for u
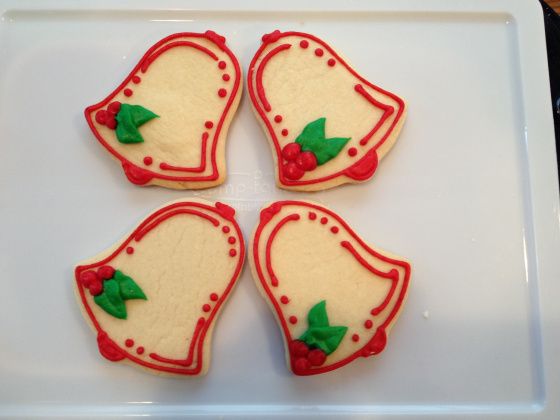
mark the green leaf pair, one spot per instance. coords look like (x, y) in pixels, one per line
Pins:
(312, 139)
(320, 334)
(115, 292)
(129, 118)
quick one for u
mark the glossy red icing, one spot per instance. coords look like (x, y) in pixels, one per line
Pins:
(129, 250)
(148, 160)
(222, 93)
(110, 350)
(128, 92)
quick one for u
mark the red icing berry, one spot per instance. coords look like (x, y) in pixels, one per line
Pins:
(225, 229)
(306, 161)
(206, 307)
(129, 250)
(298, 348)
(136, 79)
(148, 160)
(232, 252)
(222, 93)
(278, 118)
(331, 62)
(225, 77)
(213, 297)
(316, 357)
(140, 350)
(368, 324)
(324, 220)
(101, 117)
(303, 44)
(312, 215)
(96, 287)
(231, 240)
(114, 107)
(291, 151)
(222, 65)
(284, 132)
(284, 299)
(334, 229)
(302, 364)
(352, 151)
(291, 171)
(128, 92)
(106, 272)
(355, 338)
(87, 278)
(111, 121)
(319, 52)
(129, 342)
(293, 320)
(208, 124)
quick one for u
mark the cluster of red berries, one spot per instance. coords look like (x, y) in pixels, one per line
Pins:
(93, 281)
(305, 357)
(107, 117)
(298, 162)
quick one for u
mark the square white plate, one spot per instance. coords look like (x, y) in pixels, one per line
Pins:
(469, 194)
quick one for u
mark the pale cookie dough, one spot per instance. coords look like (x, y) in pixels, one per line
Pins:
(153, 298)
(334, 296)
(326, 124)
(167, 122)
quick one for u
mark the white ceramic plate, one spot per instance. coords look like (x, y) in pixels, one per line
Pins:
(469, 194)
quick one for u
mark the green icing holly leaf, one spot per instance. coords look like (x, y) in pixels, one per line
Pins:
(110, 299)
(128, 287)
(129, 118)
(312, 139)
(324, 338)
(317, 316)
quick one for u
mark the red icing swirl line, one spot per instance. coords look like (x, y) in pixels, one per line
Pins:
(138, 237)
(190, 356)
(109, 349)
(387, 111)
(201, 168)
(174, 44)
(290, 218)
(260, 70)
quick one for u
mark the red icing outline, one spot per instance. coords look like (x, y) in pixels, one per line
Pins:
(259, 76)
(199, 168)
(190, 357)
(112, 351)
(290, 218)
(361, 170)
(378, 341)
(141, 176)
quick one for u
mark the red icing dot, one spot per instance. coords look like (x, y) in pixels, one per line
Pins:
(208, 124)
(355, 338)
(129, 250)
(129, 342)
(231, 240)
(316, 357)
(213, 297)
(278, 118)
(312, 215)
(206, 307)
(136, 79)
(128, 92)
(101, 117)
(331, 62)
(106, 272)
(232, 252)
(284, 299)
(225, 77)
(352, 151)
(304, 44)
(334, 229)
(148, 160)
(324, 220)
(368, 324)
(293, 319)
(318, 52)
(87, 278)
(222, 93)
(284, 132)
(140, 350)
(225, 229)
(222, 65)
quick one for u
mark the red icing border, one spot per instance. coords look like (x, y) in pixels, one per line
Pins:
(377, 343)
(360, 170)
(141, 176)
(111, 350)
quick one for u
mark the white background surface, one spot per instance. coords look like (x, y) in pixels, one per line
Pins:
(468, 194)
